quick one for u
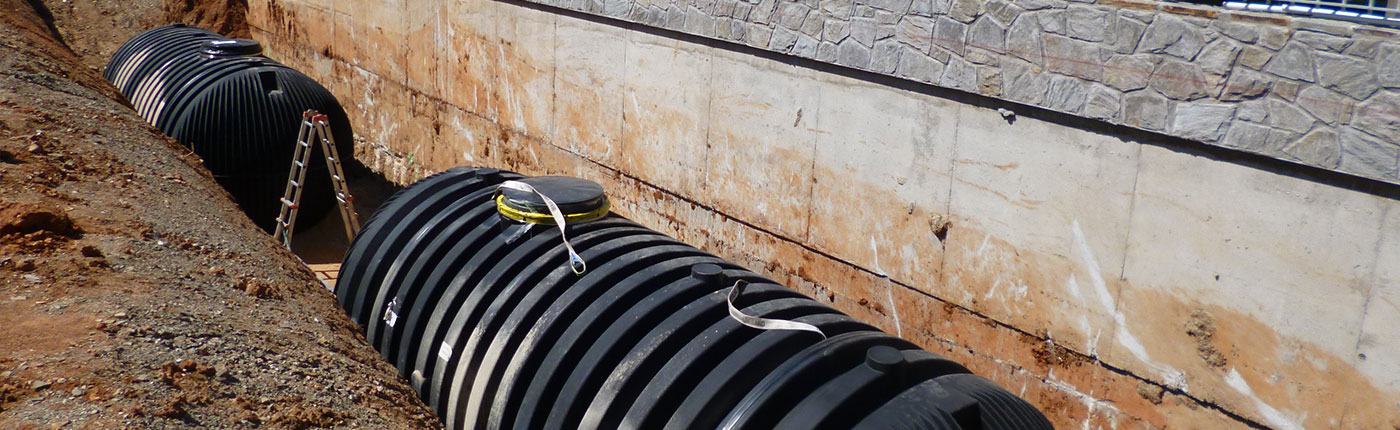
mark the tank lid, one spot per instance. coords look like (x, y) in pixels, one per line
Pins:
(883, 358)
(578, 199)
(231, 48)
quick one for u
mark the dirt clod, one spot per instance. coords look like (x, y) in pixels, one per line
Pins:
(10, 391)
(19, 219)
(257, 288)
(1047, 353)
(1201, 327)
(298, 416)
(171, 371)
(91, 252)
(1151, 392)
(172, 408)
(938, 224)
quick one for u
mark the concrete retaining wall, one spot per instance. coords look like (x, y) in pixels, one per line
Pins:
(1116, 278)
(1320, 93)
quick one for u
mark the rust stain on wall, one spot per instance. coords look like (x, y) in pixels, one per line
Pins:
(1276, 381)
(740, 178)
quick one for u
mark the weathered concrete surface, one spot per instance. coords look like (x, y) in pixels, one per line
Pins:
(1183, 70)
(1113, 282)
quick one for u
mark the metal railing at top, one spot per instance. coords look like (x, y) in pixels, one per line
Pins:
(1379, 12)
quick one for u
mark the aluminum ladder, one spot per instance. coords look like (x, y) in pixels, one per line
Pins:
(314, 126)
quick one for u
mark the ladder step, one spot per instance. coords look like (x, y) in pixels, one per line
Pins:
(315, 128)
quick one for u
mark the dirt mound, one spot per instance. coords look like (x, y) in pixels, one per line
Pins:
(29, 218)
(134, 293)
(227, 17)
(33, 228)
(95, 29)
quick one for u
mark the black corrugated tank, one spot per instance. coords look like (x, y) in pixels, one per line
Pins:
(483, 314)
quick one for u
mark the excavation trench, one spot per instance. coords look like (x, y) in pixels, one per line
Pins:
(131, 234)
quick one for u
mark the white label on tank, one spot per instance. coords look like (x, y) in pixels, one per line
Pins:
(445, 351)
(390, 316)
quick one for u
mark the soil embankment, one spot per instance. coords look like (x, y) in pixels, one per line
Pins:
(95, 29)
(133, 292)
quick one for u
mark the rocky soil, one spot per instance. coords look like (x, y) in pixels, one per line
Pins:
(133, 292)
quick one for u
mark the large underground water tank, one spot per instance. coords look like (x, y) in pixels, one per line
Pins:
(239, 111)
(478, 306)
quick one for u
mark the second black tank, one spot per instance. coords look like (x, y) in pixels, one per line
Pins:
(238, 110)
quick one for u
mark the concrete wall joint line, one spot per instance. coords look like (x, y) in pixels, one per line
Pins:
(622, 101)
(1371, 285)
(812, 171)
(709, 117)
(1128, 234)
(554, 84)
(948, 197)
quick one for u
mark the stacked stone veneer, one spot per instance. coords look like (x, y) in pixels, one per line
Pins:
(1310, 91)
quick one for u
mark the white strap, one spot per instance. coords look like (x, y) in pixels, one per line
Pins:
(764, 323)
(575, 261)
